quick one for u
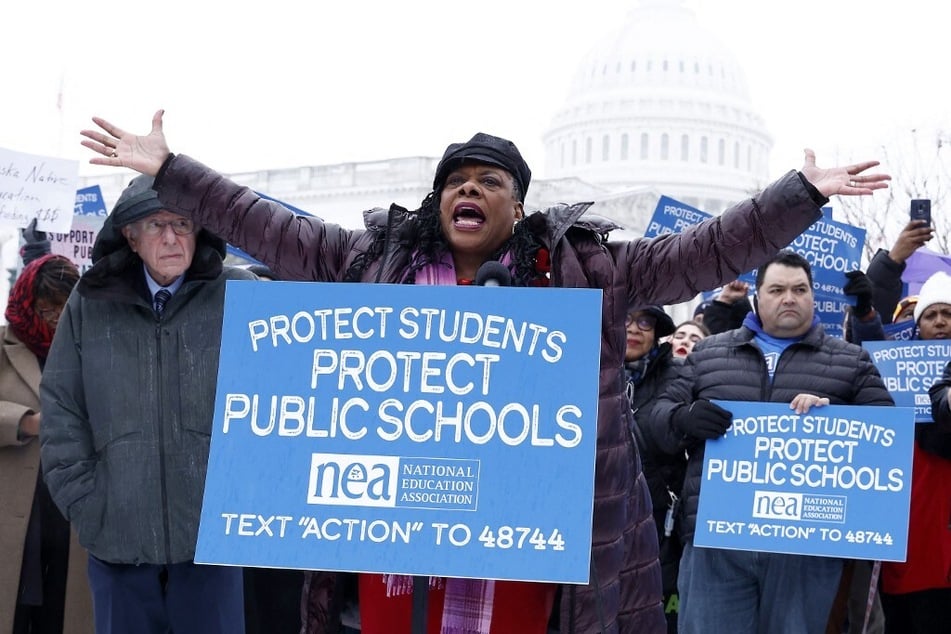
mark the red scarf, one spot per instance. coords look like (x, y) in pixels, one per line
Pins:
(21, 314)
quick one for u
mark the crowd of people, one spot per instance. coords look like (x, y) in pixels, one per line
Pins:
(128, 384)
(911, 595)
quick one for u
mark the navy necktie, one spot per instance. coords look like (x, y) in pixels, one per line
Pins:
(160, 299)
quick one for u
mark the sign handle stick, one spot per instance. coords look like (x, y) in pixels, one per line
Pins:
(420, 604)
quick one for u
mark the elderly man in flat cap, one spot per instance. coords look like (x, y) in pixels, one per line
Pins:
(128, 397)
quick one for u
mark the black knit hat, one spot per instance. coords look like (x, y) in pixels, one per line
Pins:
(137, 201)
(485, 148)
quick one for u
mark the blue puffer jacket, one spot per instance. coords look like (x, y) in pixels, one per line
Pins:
(624, 594)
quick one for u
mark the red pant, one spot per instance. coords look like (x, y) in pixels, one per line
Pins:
(518, 607)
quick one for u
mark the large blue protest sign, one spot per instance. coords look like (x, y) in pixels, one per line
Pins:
(832, 249)
(424, 430)
(909, 368)
(672, 216)
(811, 484)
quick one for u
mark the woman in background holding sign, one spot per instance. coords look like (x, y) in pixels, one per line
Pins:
(474, 215)
(916, 594)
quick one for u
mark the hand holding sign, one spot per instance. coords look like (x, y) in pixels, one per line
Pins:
(859, 287)
(703, 419)
(36, 244)
(802, 403)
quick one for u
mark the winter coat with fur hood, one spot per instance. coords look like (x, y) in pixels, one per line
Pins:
(128, 402)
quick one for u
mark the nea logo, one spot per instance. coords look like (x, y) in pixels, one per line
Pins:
(347, 480)
(777, 506)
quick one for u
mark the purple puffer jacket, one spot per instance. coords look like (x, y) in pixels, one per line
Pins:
(624, 594)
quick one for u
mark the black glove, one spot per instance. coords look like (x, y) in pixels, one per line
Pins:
(860, 287)
(35, 245)
(702, 419)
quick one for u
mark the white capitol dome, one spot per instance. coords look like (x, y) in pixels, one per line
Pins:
(660, 106)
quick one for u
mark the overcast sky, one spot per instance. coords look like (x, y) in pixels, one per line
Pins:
(279, 83)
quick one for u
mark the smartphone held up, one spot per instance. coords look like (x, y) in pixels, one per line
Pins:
(921, 209)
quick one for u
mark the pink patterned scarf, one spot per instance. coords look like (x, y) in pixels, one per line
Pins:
(443, 272)
(439, 273)
(467, 607)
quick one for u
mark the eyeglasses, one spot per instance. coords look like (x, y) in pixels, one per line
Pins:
(181, 226)
(644, 322)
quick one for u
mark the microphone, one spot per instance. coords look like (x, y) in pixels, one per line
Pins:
(493, 273)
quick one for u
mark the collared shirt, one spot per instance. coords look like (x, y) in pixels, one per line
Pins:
(155, 287)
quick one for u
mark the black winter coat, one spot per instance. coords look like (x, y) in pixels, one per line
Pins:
(885, 274)
(720, 316)
(730, 366)
(128, 403)
(664, 472)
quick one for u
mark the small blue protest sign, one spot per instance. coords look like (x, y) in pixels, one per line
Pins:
(810, 484)
(89, 202)
(832, 249)
(909, 368)
(417, 430)
(672, 216)
(831, 312)
(900, 331)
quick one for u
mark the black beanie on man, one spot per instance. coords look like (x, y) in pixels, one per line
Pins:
(137, 201)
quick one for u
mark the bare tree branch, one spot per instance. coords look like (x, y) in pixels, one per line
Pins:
(920, 165)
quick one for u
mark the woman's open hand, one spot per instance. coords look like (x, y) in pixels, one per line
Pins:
(144, 154)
